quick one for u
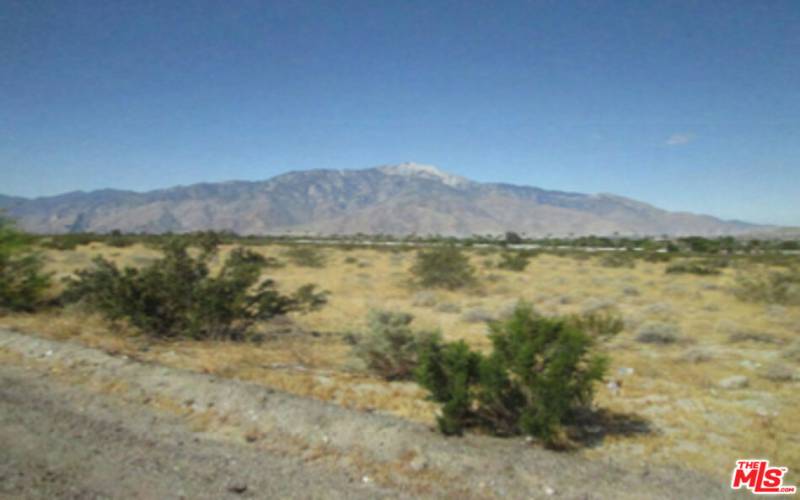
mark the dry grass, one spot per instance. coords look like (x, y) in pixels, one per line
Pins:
(694, 422)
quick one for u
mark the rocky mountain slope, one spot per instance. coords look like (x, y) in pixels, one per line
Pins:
(398, 199)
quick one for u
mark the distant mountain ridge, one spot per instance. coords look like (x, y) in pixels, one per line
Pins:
(402, 199)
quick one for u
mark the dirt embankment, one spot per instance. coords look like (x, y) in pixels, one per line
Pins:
(78, 423)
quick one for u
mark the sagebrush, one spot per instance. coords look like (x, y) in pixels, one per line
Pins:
(390, 348)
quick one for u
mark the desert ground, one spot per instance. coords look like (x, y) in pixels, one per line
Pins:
(724, 386)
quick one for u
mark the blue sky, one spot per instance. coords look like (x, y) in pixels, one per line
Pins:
(689, 105)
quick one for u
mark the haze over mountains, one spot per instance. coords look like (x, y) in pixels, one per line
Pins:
(398, 199)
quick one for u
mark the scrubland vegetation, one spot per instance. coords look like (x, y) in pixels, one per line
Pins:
(636, 353)
(177, 296)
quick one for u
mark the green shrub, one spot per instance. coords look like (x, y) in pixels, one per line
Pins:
(246, 256)
(69, 241)
(177, 297)
(701, 268)
(617, 259)
(443, 267)
(305, 256)
(22, 280)
(773, 287)
(390, 347)
(118, 240)
(657, 257)
(536, 380)
(514, 261)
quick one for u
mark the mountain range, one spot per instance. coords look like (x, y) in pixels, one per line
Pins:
(402, 199)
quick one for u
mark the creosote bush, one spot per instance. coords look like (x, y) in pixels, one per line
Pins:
(177, 296)
(305, 256)
(443, 267)
(700, 268)
(617, 259)
(515, 261)
(22, 280)
(390, 348)
(537, 379)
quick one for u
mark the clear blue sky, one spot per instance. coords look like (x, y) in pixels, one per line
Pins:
(689, 105)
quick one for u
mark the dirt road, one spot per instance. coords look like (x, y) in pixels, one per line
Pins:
(57, 442)
(79, 423)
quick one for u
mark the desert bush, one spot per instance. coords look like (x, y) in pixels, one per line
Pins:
(22, 280)
(390, 348)
(700, 268)
(69, 241)
(658, 332)
(305, 256)
(177, 297)
(598, 323)
(617, 259)
(443, 267)
(118, 240)
(697, 356)
(752, 336)
(537, 378)
(631, 291)
(514, 261)
(778, 373)
(773, 287)
(656, 257)
(245, 256)
(449, 308)
(207, 241)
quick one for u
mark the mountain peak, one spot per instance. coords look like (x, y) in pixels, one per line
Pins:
(411, 169)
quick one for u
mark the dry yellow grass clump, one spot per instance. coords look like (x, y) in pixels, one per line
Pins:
(677, 388)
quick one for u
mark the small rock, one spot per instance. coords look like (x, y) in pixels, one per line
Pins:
(549, 491)
(366, 479)
(734, 382)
